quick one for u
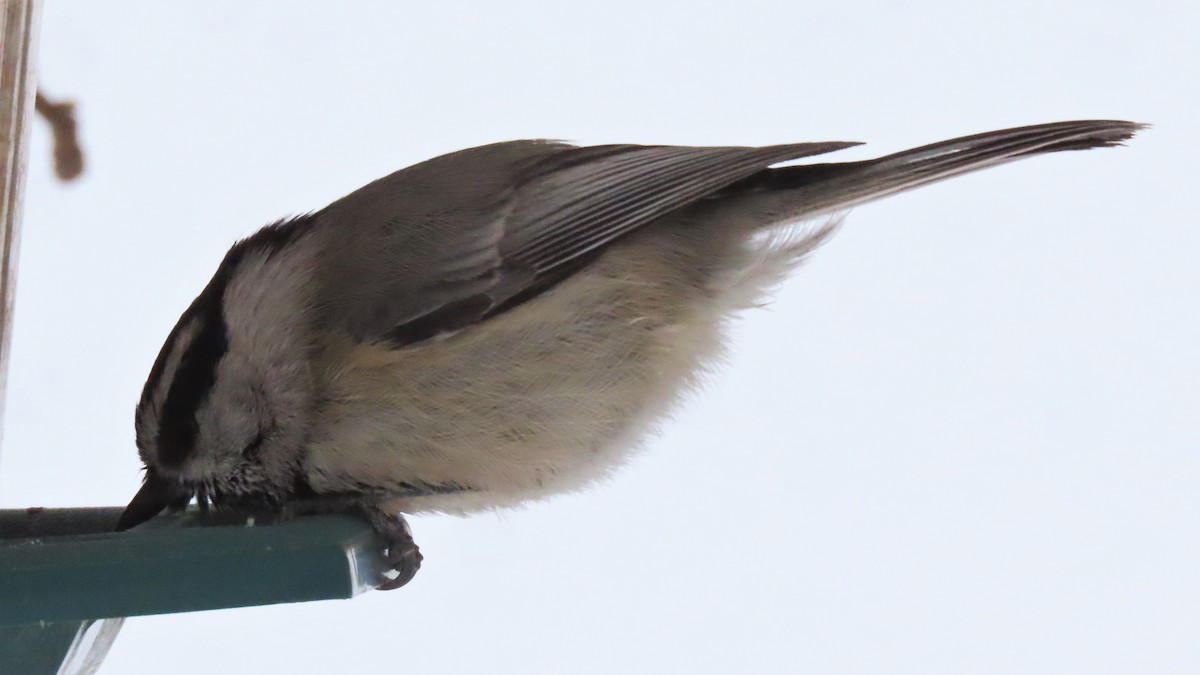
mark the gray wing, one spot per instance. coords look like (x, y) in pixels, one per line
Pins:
(439, 245)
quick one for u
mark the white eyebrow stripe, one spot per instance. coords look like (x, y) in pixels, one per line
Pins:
(183, 339)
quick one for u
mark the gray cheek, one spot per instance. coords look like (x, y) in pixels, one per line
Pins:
(225, 427)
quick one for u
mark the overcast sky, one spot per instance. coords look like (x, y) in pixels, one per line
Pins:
(964, 439)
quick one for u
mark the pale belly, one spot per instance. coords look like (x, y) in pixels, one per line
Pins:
(547, 397)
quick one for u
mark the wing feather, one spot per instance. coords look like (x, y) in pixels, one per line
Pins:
(439, 245)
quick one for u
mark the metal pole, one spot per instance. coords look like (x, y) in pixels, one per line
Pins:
(18, 85)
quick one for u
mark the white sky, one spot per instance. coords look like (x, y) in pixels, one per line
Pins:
(965, 439)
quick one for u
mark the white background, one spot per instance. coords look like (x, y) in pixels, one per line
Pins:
(965, 439)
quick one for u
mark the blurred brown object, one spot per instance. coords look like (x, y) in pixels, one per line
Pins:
(68, 156)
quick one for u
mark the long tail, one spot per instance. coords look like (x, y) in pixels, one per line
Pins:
(823, 188)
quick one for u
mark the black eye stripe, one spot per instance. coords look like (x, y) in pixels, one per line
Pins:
(194, 379)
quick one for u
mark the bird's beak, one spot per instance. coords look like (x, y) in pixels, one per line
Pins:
(157, 494)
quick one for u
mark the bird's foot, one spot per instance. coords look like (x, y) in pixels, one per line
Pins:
(401, 553)
(402, 558)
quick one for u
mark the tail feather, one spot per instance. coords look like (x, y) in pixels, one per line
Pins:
(824, 188)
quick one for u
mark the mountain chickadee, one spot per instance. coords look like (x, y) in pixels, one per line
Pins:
(494, 325)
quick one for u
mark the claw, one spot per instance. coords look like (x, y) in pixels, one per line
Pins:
(402, 555)
(405, 564)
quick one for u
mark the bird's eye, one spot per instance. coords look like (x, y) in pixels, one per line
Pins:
(251, 450)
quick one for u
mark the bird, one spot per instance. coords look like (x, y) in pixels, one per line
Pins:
(495, 325)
